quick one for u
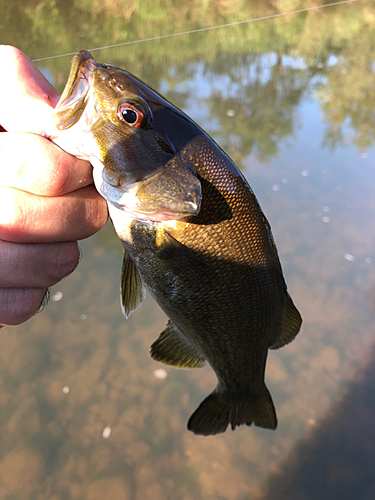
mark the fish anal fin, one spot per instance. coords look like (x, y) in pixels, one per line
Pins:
(132, 291)
(290, 326)
(217, 411)
(173, 348)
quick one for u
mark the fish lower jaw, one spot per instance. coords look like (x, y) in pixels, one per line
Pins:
(165, 218)
(126, 201)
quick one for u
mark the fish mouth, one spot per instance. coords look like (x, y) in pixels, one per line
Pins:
(73, 100)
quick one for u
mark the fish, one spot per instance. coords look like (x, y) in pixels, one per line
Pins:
(193, 234)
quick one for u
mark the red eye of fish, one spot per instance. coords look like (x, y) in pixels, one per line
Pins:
(131, 115)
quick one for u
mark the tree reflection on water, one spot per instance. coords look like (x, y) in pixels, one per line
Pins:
(284, 97)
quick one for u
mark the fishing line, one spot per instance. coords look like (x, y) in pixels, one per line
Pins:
(236, 23)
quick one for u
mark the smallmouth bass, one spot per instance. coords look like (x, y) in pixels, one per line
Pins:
(193, 234)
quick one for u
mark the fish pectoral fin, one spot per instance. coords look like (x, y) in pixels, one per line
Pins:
(173, 348)
(291, 324)
(218, 410)
(132, 291)
(182, 260)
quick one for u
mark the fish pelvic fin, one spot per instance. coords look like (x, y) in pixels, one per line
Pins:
(131, 288)
(217, 411)
(173, 348)
(291, 324)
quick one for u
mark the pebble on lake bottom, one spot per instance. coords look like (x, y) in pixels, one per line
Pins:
(160, 373)
(106, 432)
(57, 296)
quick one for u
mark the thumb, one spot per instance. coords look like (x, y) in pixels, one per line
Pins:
(27, 99)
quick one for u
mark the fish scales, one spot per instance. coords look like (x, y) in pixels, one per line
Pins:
(193, 233)
(240, 273)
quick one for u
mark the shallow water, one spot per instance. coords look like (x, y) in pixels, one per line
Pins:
(85, 412)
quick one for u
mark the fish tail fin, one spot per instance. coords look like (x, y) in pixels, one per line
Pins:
(217, 411)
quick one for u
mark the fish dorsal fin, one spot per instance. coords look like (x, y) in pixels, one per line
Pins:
(132, 291)
(173, 348)
(291, 324)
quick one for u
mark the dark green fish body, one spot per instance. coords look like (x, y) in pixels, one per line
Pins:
(218, 278)
(195, 236)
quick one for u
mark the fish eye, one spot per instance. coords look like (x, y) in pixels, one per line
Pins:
(131, 115)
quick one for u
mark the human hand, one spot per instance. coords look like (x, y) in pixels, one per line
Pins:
(47, 197)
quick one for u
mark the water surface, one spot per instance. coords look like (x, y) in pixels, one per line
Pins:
(85, 412)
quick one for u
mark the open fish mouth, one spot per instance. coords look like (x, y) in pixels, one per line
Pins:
(76, 107)
(72, 102)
